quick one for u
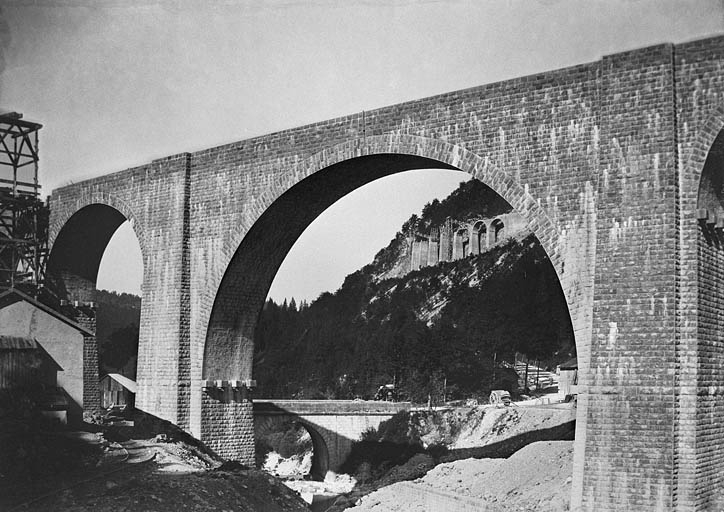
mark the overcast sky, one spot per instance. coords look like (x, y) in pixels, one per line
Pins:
(117, 83)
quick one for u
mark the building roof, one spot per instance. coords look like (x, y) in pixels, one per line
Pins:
(124, 381)
(14, 295)
(8, 342)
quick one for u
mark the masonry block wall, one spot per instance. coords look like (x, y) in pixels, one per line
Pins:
(602, 160)
(86, 317)
(633, 329)
(700, 112)
(154, 199)
(228, 428)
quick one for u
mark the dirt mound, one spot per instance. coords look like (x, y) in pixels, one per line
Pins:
(537, 477)
(31, 455)
(149, 490)
(85, 471)
(417, 466)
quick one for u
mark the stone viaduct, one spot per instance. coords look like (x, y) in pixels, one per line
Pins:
(332, 424)
(457, 240)
(615, 165)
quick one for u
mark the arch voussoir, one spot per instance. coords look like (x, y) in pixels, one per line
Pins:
(103, 198)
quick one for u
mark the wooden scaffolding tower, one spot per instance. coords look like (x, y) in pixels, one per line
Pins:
(23, 216)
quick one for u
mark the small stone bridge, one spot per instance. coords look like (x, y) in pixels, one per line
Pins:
(617, 166)
(333, 424)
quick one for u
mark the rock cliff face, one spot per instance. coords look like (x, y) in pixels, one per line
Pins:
(471, 221)
(453, 240)
(435, 287)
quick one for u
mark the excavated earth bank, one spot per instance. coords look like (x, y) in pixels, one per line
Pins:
(538, 477)
(479, 458)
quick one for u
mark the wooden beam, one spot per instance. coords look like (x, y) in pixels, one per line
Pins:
(20, 183)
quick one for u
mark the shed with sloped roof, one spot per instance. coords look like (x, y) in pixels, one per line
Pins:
(117, 389)
(25, 363)
(26, 324)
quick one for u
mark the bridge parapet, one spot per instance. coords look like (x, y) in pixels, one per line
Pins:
(329, 407)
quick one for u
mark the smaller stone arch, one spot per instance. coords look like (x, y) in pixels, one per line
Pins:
(78, 238)
(60, 217)
(263, 425)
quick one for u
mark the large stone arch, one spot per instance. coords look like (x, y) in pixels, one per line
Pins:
(226, 333)
(437, 152)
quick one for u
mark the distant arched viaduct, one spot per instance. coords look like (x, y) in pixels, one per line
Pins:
(616, 167)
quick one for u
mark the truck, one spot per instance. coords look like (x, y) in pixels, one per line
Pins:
(386, 393)
(500, 397)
